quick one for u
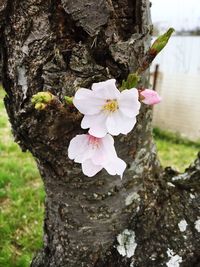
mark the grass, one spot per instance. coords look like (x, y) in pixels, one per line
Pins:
(175, 151)
(21, 201)
(22, 195)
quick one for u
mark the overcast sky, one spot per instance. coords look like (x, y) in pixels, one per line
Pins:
(176, 13)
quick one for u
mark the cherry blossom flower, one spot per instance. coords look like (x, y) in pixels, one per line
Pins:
(95, 154)
(149, 97)
(106, 109)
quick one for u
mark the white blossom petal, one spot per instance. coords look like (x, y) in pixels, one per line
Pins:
(108, 140)
(106, 152)
(106, 109)
(99, 157)
(116, 167)
(96, 123)
(129, 103)
(106, 89)
(90, 169)
(86, 102)
(79, 149)
(95, 154)
(77, 146)
(88, 154)
(119, 123)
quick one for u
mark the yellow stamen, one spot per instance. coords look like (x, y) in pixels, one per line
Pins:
(111, 105)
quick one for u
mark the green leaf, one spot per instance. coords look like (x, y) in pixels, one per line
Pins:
(131, 82)
(69, 100)
(161, 42)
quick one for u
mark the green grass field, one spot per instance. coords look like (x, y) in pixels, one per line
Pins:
(22, 195)
(21, 200)
(175, 151)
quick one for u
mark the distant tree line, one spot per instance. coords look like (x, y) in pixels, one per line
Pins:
(193, 32)
(183, 32)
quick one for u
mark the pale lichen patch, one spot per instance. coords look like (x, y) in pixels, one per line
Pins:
(127, 243)
(140, 160)
(197, 225)
(174, 260)
(131, 197)
(138, 209)
(182, 176)
(22, 80)
(170, 184)
(153, 257)
(25, 49)
(182, 225)
(192, 196)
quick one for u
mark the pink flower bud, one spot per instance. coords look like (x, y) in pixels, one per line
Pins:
(149, 97)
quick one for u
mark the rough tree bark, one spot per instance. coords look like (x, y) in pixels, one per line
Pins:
(59, 45)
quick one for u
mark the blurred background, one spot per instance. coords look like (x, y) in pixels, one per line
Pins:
(175, 74)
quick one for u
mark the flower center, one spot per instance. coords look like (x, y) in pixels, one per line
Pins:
(95, 142)
(111, 105)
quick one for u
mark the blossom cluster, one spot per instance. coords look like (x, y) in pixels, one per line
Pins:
(107, 112)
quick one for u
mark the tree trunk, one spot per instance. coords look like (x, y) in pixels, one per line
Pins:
(150, 218)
